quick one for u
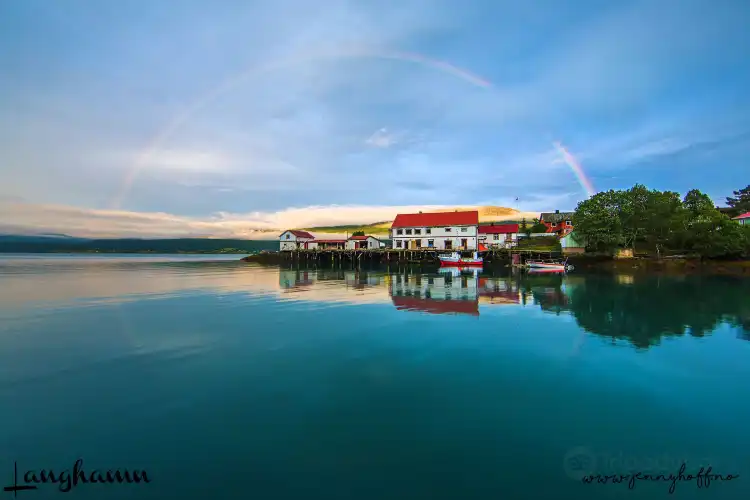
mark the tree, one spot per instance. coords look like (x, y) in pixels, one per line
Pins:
(538, 227)
(524, 227)
(663, 222)
(358, 233)
(597, 222)
(699, 204)
(740, 202)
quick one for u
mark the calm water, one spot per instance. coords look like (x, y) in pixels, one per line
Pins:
(225, 380)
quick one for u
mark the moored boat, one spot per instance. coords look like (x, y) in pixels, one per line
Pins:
(549, 265)
(455, 260)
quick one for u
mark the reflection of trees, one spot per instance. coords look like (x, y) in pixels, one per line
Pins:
(649, 308)
(546, 290)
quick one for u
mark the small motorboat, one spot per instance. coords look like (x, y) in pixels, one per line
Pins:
(455, 260)
(549, 265)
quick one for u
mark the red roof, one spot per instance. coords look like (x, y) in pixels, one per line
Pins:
(470, 218)
(361, 238)
(746, 215)
(435, 306)
(498, 229)
(300, 234)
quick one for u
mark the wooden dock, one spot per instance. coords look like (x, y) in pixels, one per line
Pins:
(393, 257)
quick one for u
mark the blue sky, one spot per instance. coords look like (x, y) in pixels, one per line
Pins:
(221, 117)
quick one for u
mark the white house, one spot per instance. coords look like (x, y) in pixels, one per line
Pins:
(327, 245)
(743, 219)
(498, 235)
(295, 240)
(441, 231)
(366, 242)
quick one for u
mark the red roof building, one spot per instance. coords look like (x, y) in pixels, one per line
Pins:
(437, 219)
(439, 230)
(434, 306)
(505, 235)
(498, 229)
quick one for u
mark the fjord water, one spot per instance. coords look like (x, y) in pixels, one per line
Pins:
(226, 380)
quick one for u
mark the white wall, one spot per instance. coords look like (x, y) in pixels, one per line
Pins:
(288, 241)
(438, 234)
(372, 243)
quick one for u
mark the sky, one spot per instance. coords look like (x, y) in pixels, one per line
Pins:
(226, 118)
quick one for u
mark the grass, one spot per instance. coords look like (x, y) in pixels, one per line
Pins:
(377, 228)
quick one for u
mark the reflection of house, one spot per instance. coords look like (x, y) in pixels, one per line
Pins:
(363, 243)
(743, 218)
(498, 235)
(294, 240)
(559, 223)
(497, 291)
(442, 231)
(451, 292)
(295, 278)
(327, 245)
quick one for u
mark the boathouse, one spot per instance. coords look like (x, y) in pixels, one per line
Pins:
(743, 219)
(293, 239)
(498, 235)
(364, 242)
(441, 231)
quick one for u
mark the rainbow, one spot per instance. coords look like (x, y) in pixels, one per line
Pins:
(576, 167)
(156, 143)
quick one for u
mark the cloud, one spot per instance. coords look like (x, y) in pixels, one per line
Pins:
(382, 139)
(32, 218)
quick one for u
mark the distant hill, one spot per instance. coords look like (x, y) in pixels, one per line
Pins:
(486, 214)
(54, 244)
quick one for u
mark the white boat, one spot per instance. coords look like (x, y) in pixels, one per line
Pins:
(549, 265)
(454, 259)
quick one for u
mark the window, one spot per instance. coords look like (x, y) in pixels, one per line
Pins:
(495, 236)
(419, 243)
(554, 224)
(398, 244)
(399, 231)
(447, 230)
(430, 243)
(428, 231)
(568, 223)
(288, 236)
(408, 231)
(417, 231)
(463, 229)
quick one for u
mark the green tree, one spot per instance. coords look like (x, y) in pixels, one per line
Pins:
(740, 202)
(524, 227)
(699, 205)
(597, 222)
(538, 227)
(717, 236)
(664, 210)
(358, 233)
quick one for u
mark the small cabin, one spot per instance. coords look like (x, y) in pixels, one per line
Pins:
(327, 245)
(363, 242)
(293, 239)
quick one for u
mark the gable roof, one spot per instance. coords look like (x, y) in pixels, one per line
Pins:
(746, 215)
(498, 229)
(362, 237)
(299, 234)
(468, 218)
(555, 216)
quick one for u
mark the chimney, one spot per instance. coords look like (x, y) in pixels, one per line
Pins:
(557, 211)
(420, 211)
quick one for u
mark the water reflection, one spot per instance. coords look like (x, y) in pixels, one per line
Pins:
(639, 309)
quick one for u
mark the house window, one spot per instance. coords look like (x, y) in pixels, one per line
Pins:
(554, 224)
(417, 231)
(428, 231)
(430, 243)
(398, 244)
(399, 231)
(463, 229)
(408, 231)
(568, 223)
(447, 230)
(419, 243)
(495, 236)
(288, 236)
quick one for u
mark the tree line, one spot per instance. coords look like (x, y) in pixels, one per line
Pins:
(663, 222)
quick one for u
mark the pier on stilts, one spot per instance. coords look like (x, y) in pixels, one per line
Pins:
(395, 257)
